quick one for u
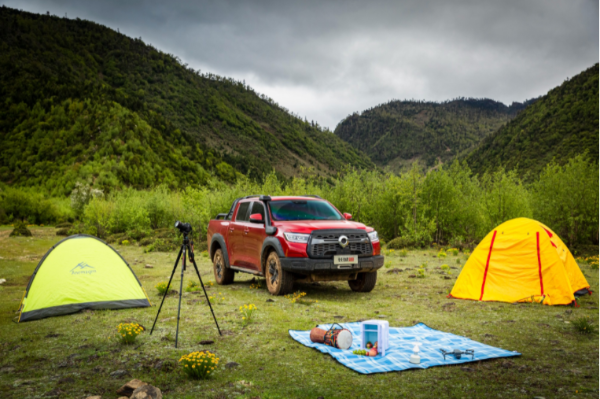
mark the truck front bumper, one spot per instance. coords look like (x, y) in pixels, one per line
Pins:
(326, 266)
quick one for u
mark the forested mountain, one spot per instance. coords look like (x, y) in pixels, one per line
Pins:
(397, 133)
(81, 101)
(559, 126)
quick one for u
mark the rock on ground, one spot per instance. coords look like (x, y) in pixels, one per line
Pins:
(146, 392)
(127, 389)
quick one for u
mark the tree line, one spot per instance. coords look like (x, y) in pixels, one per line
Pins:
(447, 205)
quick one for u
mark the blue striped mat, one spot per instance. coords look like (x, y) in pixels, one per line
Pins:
(402, 342)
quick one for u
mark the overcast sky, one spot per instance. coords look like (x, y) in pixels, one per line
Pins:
(327, 59)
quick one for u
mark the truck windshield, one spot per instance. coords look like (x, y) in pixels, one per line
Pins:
(303, 210)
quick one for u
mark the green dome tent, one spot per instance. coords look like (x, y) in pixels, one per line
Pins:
(81, 272)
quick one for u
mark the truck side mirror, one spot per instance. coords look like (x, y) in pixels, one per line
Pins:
(256, 218)
(347, 216)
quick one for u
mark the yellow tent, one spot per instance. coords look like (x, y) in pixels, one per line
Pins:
(521, 260)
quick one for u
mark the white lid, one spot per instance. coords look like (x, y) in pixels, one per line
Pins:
(381, 322)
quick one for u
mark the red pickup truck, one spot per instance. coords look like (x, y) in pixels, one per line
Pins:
(294, 238)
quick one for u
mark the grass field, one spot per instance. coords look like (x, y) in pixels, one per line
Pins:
(73, 356)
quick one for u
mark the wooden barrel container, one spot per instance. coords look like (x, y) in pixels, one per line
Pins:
(317, 335)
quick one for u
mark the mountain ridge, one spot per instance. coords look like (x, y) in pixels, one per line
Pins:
(46, 60)
(396, 133)
(557, 127)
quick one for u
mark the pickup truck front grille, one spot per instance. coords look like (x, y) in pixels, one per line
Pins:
(325, 243)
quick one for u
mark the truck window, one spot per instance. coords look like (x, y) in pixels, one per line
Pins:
(242, 214)
(258, 207)
(303, 210)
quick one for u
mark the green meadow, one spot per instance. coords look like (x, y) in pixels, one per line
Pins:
(79, 355)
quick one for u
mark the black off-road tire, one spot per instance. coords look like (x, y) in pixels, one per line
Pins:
(223, 275)
(279, 282)
(365, 282)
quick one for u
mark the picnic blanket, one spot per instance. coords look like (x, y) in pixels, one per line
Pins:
(402, 342)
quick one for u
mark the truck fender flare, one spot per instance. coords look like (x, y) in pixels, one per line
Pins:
(216, 242)
(268, 244)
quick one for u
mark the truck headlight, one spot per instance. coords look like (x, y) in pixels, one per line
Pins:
(373, 236)
(297, 237)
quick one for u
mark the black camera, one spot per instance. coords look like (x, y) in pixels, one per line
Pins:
(185, 228)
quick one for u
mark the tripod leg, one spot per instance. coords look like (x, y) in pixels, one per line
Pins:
(180, 291)
(202, 284)
(168, 285)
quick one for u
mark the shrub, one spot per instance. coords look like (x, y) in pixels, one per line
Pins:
(216, 298)
(161, 287)
(27, 204)
(63, 232)
(441, 255)
(248, 313)
(147, 241)
(466, 252)
(97, 215)
(404, 253)
(453, 251)
(446, 268)
(421, 273)
(20, 230)
(296, 296)
(401, 242)
(128, 332)
(64, 225)
(388, 264)
(583, 325)
(192, 286)
(161, 245)
(199, 365)
(125, 242)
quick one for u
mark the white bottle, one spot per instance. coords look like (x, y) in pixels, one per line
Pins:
(415, 358)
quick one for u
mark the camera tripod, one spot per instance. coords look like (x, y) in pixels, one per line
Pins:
(187, 246)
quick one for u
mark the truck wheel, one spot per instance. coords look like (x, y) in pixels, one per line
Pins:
(279, 282)
(365, 282)
(223, 275)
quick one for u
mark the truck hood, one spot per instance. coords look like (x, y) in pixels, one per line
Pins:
(307, 226)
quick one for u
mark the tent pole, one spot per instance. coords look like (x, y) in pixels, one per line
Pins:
(180, 292)
(167, 291)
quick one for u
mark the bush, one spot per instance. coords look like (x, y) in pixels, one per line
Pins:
(20, 230)
(97, 215)
(199, 365)
(583, 325)
(441, 254)
(63, 232)
(161, 287)
(27, 204)
(64, 225)
(147, 241)
(192, 286)
(404, 253)
(453, 251)
(388, 264)
(400, 243)
(161, 245)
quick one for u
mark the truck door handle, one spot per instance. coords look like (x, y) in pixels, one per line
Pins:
(231, 229)
(246, 231)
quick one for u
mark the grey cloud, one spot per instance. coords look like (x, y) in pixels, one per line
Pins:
(326, 59)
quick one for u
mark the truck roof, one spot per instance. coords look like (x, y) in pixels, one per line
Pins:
(285, 197)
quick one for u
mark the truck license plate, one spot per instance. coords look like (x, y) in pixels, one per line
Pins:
(345, 259)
